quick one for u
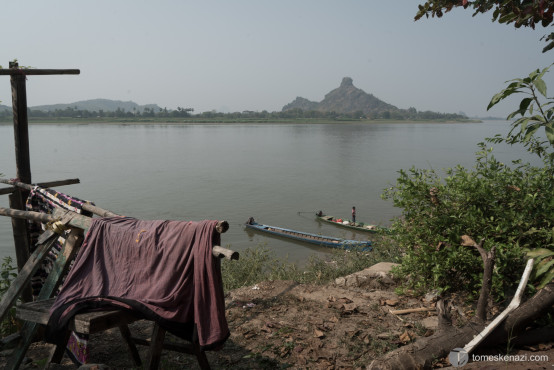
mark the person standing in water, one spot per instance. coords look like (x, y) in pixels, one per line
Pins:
(354, 214)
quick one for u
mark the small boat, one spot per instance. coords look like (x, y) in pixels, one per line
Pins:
(327, 241)
(360, 226)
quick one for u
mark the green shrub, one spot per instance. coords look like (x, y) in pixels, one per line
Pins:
(510, 207)
(7, 273)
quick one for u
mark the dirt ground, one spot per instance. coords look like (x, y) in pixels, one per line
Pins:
(282, 324)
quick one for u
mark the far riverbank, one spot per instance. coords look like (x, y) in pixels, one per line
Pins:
(219, 121)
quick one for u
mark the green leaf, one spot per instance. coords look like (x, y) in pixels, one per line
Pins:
(538, 118)
(543, 267)
(530, 132)
(541, 86)
(547, 279)
(549, 129)
(495, 99)
(540, 253)
(524, 104)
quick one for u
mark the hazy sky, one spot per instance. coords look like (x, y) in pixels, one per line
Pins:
(260, 55)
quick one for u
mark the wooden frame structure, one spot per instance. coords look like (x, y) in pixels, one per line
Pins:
(18, 78)
(36, 313)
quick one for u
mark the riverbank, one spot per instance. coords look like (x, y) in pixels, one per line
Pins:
(283, 324)
(218, 121)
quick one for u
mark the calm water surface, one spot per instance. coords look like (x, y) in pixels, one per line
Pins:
(231, 172)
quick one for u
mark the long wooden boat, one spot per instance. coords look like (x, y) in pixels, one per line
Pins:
(326, 241)
(359, 226)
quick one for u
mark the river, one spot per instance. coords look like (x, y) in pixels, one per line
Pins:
(235, 171)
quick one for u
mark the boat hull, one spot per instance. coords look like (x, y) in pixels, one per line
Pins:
(354, 226)
(315, 239)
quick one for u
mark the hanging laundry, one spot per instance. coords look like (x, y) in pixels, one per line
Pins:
(163, 270)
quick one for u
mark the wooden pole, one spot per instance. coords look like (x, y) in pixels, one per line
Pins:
(20, 125)
(21, 136)
(22, 163)
(37, 72)
(49, 184)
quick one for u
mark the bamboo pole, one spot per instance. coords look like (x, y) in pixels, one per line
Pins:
(411, 310)
(221, 227)
(84, 222)
(48, 184)
(512, 306)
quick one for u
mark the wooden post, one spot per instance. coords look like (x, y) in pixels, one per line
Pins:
(22, 165)
(20, 125)
(21, 136)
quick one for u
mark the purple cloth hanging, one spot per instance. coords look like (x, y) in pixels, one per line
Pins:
(163, 270)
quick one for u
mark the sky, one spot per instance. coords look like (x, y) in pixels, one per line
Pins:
(260, 55)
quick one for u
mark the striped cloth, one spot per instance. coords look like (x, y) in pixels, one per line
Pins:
(45, 200)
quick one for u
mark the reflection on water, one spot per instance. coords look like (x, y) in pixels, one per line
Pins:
(270, 172)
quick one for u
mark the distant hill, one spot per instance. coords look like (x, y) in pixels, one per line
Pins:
(4, 107)
(345, 99)
(105, 105)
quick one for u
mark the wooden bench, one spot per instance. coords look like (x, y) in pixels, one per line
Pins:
(98, 321)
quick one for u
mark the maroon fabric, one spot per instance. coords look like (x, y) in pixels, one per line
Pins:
(163, 269)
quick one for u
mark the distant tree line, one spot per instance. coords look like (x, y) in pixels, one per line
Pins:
(74, 112)
(397, 114)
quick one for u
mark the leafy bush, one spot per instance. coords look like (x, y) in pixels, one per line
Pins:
(7, 273)
(510, 207)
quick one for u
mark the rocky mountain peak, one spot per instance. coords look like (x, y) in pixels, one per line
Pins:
(346, 82)
(345, 99)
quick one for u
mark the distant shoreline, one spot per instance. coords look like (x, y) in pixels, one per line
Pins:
(205, 121)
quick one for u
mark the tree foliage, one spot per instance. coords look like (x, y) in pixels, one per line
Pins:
(526, 13)
(536, 111)
(510, 207)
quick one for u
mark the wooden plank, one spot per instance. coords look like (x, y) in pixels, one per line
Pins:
(24, 277)
(77, 220)
(21, 241)
(61, 264)
(38, 72)
(37, 312)
(73, 241)
(84, 323)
